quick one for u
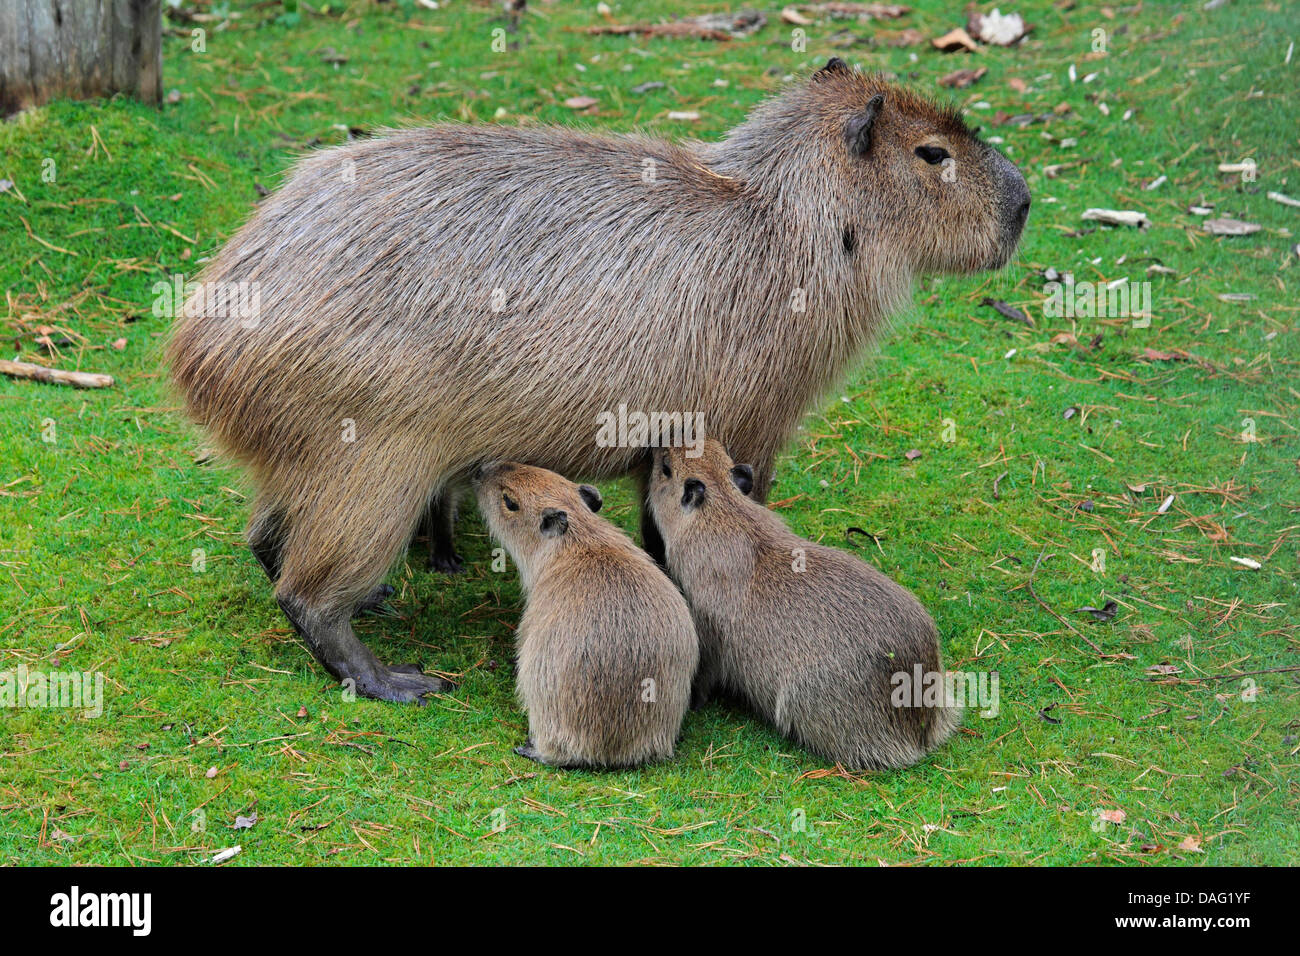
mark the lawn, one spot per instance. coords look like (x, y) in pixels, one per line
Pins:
(1063, 463)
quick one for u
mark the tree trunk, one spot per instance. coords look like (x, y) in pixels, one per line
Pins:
(78, 49)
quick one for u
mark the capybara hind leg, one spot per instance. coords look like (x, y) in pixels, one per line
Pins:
(342, 538)
(266, 540)
(328, 635)
(439, 526)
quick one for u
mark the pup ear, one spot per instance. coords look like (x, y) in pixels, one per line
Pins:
(591, 496)
(554, 522)
(857, 132)
(742, 476)
(833, 65)
(692, 493)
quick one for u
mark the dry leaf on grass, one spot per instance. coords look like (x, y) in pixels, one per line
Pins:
(1101, 615)
(899, 38)
(960, 79)
(863, 11)
(1118, 217)
(953, 40)
(1229, 227)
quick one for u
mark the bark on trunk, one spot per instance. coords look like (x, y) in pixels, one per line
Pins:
(78, 49)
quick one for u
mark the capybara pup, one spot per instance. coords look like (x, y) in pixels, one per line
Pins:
(809, 636)
(434, 298)
(606, 646)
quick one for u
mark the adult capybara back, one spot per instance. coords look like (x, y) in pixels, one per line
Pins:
(435, 298)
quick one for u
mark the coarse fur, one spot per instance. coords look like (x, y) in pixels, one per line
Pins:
(810, 637)
(435, 298)
(606, 646)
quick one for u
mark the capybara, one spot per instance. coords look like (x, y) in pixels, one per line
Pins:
(431, 299)
(810, 637)
(606, 646)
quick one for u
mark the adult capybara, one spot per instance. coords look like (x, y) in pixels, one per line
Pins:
(436, 298)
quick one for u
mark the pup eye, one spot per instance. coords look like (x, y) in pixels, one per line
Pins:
(510, 503)
(667, 469)
(934, 155)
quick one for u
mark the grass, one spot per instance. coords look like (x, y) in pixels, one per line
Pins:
(99, 526)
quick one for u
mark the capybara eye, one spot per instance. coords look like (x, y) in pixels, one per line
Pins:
(510, 503)
(934, 155)
(668, 469)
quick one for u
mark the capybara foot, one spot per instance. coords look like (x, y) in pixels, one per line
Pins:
(532, 753)
(405, 683)
(329, 636)
(448, 562)
(376, 598)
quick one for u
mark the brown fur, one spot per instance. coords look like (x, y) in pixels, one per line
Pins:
(812, 651)
(606, 646)
(377, 264)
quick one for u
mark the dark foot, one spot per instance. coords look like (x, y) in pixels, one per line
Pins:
(376, 598)
(448, 562)
(700, 696)
(528, 750)
(329, 636)
(403, 684)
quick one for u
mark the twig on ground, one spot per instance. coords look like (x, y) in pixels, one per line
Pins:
(55, 376)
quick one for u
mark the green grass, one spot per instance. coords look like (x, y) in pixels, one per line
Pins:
(97, 528)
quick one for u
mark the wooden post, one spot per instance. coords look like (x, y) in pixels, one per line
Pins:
(78, 49)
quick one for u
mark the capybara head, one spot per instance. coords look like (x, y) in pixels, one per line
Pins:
(910, 181)
(690, 491)
(961, 203)
(530, 510)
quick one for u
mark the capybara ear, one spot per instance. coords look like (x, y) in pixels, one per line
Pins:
(742, 476)
(693, 493)
(833, 65)
(554, 522)
(857, 132)
(591, 496)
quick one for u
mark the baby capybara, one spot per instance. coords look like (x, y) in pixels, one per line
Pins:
(430, 299)
(606, 646)
(810, 637)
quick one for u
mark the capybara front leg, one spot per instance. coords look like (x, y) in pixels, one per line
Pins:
(266, 537)
(652, 541)
(439, 526)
